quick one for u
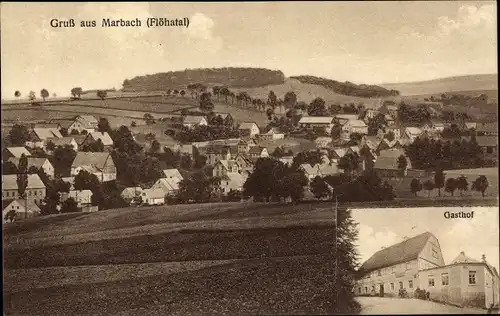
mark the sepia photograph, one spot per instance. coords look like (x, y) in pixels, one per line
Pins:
(250, 158)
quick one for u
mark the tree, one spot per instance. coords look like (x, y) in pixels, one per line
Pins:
(349, 163)
(150, 120)
(336, 131)
(8, 167)
(262, 182)
(429, 186)
(390, 136)
(451, 185)
(69, 206)
(32, 96)
(17, 94)
(290, 99)
(76, 92)
(272, 100)
(415, 186)
(317, 107)
(18, 135)
(462, 184)
(10, 216)
(103, 126)
(278, 152)
(44, 94)
(155, 146)
(22, 179)
(133, 124)
(319, 188)
(439, 180)
(102, 94)
(402, 164)
(182, 93)
(355, 137)
(206, 104)
(480, 185)
(63, 157)
(376, 123)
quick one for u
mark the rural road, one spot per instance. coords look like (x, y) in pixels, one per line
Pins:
(391, 306)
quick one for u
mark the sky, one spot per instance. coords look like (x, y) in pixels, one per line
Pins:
(385, 227)
(362, 42)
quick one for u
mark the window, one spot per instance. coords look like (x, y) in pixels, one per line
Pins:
(359, 289)
(366, 289)
(431, 281)
(392, 286)
(472, 277)
(408, 265)
(35, 192)
(379, 273)
(489, 150)
(400, 285)
(435, 253)
(444, 279)
(410, 284)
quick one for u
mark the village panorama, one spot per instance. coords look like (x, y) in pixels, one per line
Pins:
(137, 180)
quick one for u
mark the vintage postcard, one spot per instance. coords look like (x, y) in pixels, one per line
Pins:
(250, 158)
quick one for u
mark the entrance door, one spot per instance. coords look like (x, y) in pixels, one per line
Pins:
(381, 290)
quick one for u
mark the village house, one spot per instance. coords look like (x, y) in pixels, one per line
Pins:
(387, 163)
(385, 144)
(227, 118)
(434, 127)
(104, 137)
(322, 170)
(251, 128)
(83, 198)
(464, 282)
(244, 162)
(216, 153)
(14, 152)
(85, 122)
(344, 118)
(38, 163)
(35, 190)
(21, 208)
(100, 164)
(487, 129)
(370, 114)
(258, 152)
(272, 134)
(396, 130)
(389, 119)
(167, 186)
(153, 197)
(38, 136)
(410, 134)
(287, 160)
(232, 181)
(65, 126)
(192, 121)
(63, 141)
(130, 193)
(389, 107)
(323, 142)
(223, 167)
(355, 126)
(396, 267)
(324, 122)
(184, 149)
(489, 146)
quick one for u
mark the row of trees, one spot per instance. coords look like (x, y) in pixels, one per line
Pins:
(450, 185)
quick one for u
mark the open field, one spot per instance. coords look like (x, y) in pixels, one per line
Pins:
(450, 84)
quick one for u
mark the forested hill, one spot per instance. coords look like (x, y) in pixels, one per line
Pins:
(230, 77)
(348, 88)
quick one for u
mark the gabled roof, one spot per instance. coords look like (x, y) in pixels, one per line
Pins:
(61, 141)
(323, 139)
(9, 182)
(88, 121)
(99, 160)
(190, 119)
(32, 162)
(32, 207)
(64, 123)
(414, 131)
(404, 251)
(308, 168)
(316, 120)
(487, 141)
(487, 127)
(103, 136)
(217, 149)
(79, 194)
(462, 258)
(44, 133)
(153, 193)
(348, 117)
(256, 150)
(131, 191)
(235, 179)
(18, 151)
(286, 159)
(172, 173)
(357, 123)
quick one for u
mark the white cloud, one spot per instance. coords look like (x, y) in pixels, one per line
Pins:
(200, 26)
(469, 18)
(371, 241)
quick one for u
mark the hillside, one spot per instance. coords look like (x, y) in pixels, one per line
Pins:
(348, 88)
(450, 84)
(231, 77)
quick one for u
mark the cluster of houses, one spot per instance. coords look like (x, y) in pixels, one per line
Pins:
(418, 263)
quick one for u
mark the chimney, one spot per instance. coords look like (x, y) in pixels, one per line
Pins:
(483, 258)
(462, 253)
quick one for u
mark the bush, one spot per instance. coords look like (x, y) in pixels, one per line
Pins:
(421, 294)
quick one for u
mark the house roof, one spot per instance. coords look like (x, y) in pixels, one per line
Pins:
(404, 251)
(222, 115)
(247, 125)
(65, 123)
(32, 206)
(88, 121)
(9, 182)
(18, 151)
(388, 159)
(256, 150)
(191, 119)
(357, 123)
(462, 258)
(487, 141)
(103, 136)
(308, 168)
(323, 139)
(131, 191)
(217, 149)
(347, 116)
(487, 127)
(414, 131)
(235, 179)
(61, 141)
(286, 159)
(327, 168)
(79, 138)
(340, 152)
(316, 120)
(172, 173)
(79, 194)
(98, 160)
(47, 125)
(35, 162)
(44, 133)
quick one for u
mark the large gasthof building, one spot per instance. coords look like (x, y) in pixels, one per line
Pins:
(418, 263)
